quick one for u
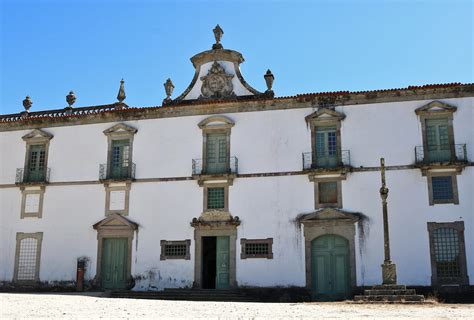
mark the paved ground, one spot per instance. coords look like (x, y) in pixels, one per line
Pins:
(72, 306)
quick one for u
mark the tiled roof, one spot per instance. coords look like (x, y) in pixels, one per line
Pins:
(119, 107)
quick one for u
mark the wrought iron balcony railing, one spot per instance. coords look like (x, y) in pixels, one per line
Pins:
(441, 153)
(215, 166)
(325, 160)
(30, 176)
(108, 172)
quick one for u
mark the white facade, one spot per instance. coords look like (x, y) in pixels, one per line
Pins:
(268, 194)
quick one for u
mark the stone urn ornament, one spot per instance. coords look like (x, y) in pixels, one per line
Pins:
(269, 78)
(27, 104)
(70, 99)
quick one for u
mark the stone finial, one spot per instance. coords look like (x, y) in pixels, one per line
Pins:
(121, 94)
(27, 104)
(269, 79)
(218, 32)
(70, 98)
(169, 86)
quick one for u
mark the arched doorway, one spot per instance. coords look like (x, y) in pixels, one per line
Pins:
(330, 268)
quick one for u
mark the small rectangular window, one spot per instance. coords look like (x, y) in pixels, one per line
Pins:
(175, 250)
(328, 192)
(256, 248)
(215, 198)
(442, 188)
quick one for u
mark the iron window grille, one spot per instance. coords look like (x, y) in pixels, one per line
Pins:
(27, 259)
(175, 250)
(446, 248)
(215, 198)
(256, 248)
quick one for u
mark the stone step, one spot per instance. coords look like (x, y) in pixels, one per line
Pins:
(385, 292)
(391, 298)
(389, 287)
(191, 295)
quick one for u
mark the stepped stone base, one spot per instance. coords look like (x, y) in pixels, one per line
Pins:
(389, 294)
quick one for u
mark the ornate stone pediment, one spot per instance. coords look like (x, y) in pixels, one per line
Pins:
(120, 128)
(115, 221)
(329, 215)
(37, 134)
(325, 114)
(217, 83)
(435, 107)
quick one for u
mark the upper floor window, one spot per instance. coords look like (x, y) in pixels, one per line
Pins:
(36, 158)
(438, 135)
(119, 156)
(216, 157)
(442, 187)
(326, 152)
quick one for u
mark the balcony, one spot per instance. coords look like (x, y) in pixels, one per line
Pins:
(215, 167)
(441, 153)
(32, 177)
(326, 160)
(118, 173)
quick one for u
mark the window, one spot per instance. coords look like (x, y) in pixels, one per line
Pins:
(326, 147)
(32, 202)
(447, 250)
(119, 158)
(327, 192)
(256, 248)
(36, 159)
(215, 198)
(442, 188)
(27, 256)
(175, 250)
(437, 132)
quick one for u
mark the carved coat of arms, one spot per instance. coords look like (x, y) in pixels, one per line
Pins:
(217, 83)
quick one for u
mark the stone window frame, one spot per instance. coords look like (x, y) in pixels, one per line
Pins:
(215, 124)
(19, 237)
(224, 185)
(119, 131)
(463, 280)
(324, 117)
(437, 110)
(117, 187)
(36, 137)
(454, 184)
(32, 190)
(317, 179)
(244, 242)
(164, 243)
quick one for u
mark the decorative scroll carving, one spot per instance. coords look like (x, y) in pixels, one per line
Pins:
(217, 83)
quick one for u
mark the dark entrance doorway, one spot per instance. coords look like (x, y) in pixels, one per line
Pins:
(209, 262)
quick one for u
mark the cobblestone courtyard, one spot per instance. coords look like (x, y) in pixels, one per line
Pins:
(72, 306)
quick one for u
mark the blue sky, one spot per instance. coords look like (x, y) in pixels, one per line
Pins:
(50, 47)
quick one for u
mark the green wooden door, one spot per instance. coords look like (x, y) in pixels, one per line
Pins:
(437, 140)
(120, 159)
(330, 268)
(216, 153)
(114, 263)
(222, 263)
(36, 163)
(326, 147)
